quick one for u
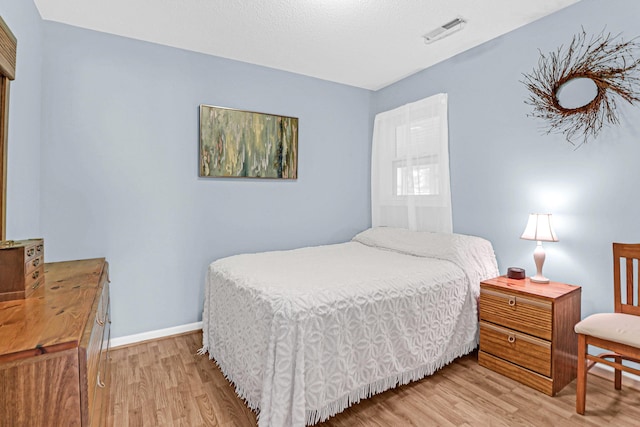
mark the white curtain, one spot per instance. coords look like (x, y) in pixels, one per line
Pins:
(410, 167)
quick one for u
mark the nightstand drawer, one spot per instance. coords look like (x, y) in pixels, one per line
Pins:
(518, 373)
(530, 315)
(522, 349)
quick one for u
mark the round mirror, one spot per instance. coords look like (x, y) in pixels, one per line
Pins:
(576, 93)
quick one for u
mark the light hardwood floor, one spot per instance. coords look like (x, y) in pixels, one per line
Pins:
(165, 383)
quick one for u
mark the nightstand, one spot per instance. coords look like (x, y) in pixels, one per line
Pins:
(526, 331)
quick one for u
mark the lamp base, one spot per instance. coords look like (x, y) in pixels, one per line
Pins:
(538, 257)
(539, 278)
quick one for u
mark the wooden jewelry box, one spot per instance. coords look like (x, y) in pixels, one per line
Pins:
(21, 268)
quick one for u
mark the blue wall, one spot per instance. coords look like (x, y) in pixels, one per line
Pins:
(503, 167)
(104, 145)
(120, 168)
(25, 106)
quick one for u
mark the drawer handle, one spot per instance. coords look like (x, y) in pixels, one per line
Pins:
(100, 383)
(31, 251)
(35, 275)
(512, 338)
(39, 248)
(512, 301)
(35, 285)
(99, 322)
(36, 262)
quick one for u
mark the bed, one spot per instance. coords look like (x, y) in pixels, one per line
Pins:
(305, 333)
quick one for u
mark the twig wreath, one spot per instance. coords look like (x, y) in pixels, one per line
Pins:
(610, 64)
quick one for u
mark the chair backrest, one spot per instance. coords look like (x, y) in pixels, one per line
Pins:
(624, 255)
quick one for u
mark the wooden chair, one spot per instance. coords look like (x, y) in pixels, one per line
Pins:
(618, 332)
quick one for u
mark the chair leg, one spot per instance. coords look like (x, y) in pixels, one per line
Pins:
(581, 386)
(618, 374)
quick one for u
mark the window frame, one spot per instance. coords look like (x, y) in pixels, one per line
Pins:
(417, 164)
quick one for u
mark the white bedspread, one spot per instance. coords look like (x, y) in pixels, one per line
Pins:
(303, 334)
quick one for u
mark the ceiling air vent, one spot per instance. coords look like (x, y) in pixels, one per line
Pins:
(444, 30)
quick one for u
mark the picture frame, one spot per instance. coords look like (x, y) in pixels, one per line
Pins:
(247, 144)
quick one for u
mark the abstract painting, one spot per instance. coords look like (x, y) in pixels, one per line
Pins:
(246, 144)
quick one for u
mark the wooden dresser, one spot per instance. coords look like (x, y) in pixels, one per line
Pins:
(53, 348)
(526, 331)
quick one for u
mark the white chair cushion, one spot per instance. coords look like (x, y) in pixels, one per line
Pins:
(621, 328)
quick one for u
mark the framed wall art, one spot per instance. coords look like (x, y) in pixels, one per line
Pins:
(246, 144)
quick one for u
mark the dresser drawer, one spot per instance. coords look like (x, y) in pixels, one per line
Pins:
(100, 408)
(94, 351)
(522, 349)
(34, 250)
(33, 264)
(33, 280)
(528, 314)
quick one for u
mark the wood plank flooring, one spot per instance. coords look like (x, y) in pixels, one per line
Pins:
(165, 383)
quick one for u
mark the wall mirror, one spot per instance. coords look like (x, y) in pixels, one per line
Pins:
(577, 93)
(575, 89)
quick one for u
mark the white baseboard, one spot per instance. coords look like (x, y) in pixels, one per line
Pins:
(152, 335)
(628, 379)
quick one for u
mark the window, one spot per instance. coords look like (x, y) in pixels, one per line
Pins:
(416, 170)
(410, 167)
(420, 178)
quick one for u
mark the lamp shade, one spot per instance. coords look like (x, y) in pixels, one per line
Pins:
(539, 228)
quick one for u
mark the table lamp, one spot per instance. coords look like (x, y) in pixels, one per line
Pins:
(539, 228)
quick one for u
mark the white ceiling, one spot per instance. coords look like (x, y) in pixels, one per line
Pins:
(362, 43)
